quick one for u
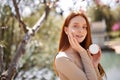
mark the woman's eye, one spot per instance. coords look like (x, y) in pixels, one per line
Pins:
(75, 26)
(84, 27)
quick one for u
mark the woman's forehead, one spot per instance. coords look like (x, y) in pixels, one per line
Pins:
(78, 19)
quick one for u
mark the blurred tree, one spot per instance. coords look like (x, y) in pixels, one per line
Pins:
(95, 13)
(109, 18)
(8, 23)
(115, 13)
(100, 12)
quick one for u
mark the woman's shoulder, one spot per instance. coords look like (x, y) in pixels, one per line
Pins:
(62, 55)
(65, 55)
(62, 58)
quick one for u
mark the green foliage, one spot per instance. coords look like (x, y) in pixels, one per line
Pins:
(95, 13)
(8, 32)
(109, 18)
(32, 19)
(100, 12)
(3, 43)
(41, 50)
(5, 11)
(114, 34)
(116, 14)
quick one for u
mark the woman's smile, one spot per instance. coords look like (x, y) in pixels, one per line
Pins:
(79, 36)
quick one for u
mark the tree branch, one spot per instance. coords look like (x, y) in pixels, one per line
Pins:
(10, 73)
(12, 69)
(42, 19)
(1, 59)
(21, 23)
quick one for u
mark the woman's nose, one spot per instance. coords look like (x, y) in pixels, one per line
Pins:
(80, 29)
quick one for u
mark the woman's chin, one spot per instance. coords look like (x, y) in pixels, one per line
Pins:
(80, 41)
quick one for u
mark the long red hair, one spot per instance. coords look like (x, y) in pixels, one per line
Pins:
(64, 42)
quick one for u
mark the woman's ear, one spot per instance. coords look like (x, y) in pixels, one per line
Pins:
(66, 30)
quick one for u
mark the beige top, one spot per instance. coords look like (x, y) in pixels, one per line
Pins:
(73, 67)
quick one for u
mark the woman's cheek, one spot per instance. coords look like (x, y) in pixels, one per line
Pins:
(72, 30)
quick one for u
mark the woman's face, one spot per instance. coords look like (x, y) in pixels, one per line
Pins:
(78, 28)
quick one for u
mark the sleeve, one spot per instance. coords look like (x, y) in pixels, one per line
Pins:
(88, 67)
(69, 69)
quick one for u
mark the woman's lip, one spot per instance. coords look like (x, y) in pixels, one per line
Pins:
(79, 36)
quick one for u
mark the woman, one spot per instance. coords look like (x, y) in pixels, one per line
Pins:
(74, 61)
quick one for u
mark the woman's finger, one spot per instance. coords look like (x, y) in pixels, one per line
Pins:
(89, 54)
(70, 39)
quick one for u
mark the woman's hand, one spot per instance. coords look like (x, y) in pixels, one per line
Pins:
(76, 46)
(95, 57)
(74, 43)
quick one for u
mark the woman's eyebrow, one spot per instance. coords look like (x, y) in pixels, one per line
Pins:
(75, 23)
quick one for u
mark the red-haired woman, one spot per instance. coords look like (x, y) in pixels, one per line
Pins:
(74, 61)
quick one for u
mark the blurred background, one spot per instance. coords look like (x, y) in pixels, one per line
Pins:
(37, 61)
